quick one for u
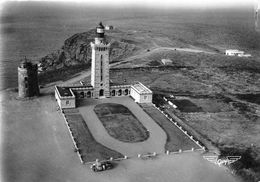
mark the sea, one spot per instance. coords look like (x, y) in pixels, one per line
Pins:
(35, 29)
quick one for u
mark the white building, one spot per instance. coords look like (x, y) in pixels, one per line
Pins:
(234, 52)
(141, 93)
(245, 55)
(109, 27)
(65, 97)
(100, 83)
(166, 61)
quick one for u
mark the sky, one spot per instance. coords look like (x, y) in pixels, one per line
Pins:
(165, 3)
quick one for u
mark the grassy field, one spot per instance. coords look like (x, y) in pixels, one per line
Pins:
(225, 88)
(176, 139)
(61, 74)
(89, 149)
(230, 125)
(120, 123)
(186, 106)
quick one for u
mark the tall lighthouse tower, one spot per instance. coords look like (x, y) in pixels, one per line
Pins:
(100, 64)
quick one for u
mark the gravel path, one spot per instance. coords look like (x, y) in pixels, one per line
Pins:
(155, 142)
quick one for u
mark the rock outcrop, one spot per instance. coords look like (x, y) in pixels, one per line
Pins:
(77, 50)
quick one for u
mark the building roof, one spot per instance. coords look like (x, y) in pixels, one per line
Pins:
(167, 60)
(141, 89)
(64, 91)
(120, 86)
(164, 61)
(78, 86)
(234, 51)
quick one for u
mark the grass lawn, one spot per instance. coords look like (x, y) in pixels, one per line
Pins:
(176, 139)
(89, 149)
(120, 123)
(186, 106)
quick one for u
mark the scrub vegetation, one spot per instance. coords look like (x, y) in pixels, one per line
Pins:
(120, 123)
(88, 147)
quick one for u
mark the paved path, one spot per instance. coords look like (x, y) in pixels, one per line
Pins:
(155, 142)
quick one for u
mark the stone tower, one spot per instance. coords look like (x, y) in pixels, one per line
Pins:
(100, 64)
(27, 79)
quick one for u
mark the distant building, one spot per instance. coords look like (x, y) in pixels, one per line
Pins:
(166, 61)
(100, 81)
(235, 52)
(109, 27)
(28, 79)
(245, 55)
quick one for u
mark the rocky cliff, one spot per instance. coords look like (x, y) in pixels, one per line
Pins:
(77, 50)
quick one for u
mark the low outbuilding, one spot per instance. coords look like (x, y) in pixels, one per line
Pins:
(65, 97)
(141, 93)
(234, 52)
(166, 61)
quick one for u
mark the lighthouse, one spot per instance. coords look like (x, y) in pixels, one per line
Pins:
(100, 64)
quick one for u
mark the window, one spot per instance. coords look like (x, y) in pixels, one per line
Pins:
(25, 78)
(119, 93)
(67, 102)
(101, 68)
(145, 97)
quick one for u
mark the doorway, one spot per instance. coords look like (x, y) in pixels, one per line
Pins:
(101, 93)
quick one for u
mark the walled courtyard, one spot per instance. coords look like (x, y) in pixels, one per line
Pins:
(154, 143)
(38, 147)
(132, 129)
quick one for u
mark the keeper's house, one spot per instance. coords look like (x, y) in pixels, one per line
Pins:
(67, 96)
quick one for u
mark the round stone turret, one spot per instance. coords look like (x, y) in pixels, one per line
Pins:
(27, 79)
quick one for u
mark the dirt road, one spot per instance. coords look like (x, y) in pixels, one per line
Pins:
(80, 76)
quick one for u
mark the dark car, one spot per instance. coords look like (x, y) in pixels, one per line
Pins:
(101, 166)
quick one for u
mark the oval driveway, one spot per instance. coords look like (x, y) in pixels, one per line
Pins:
(155, 142)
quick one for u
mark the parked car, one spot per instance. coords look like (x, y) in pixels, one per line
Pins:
(101, 166)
